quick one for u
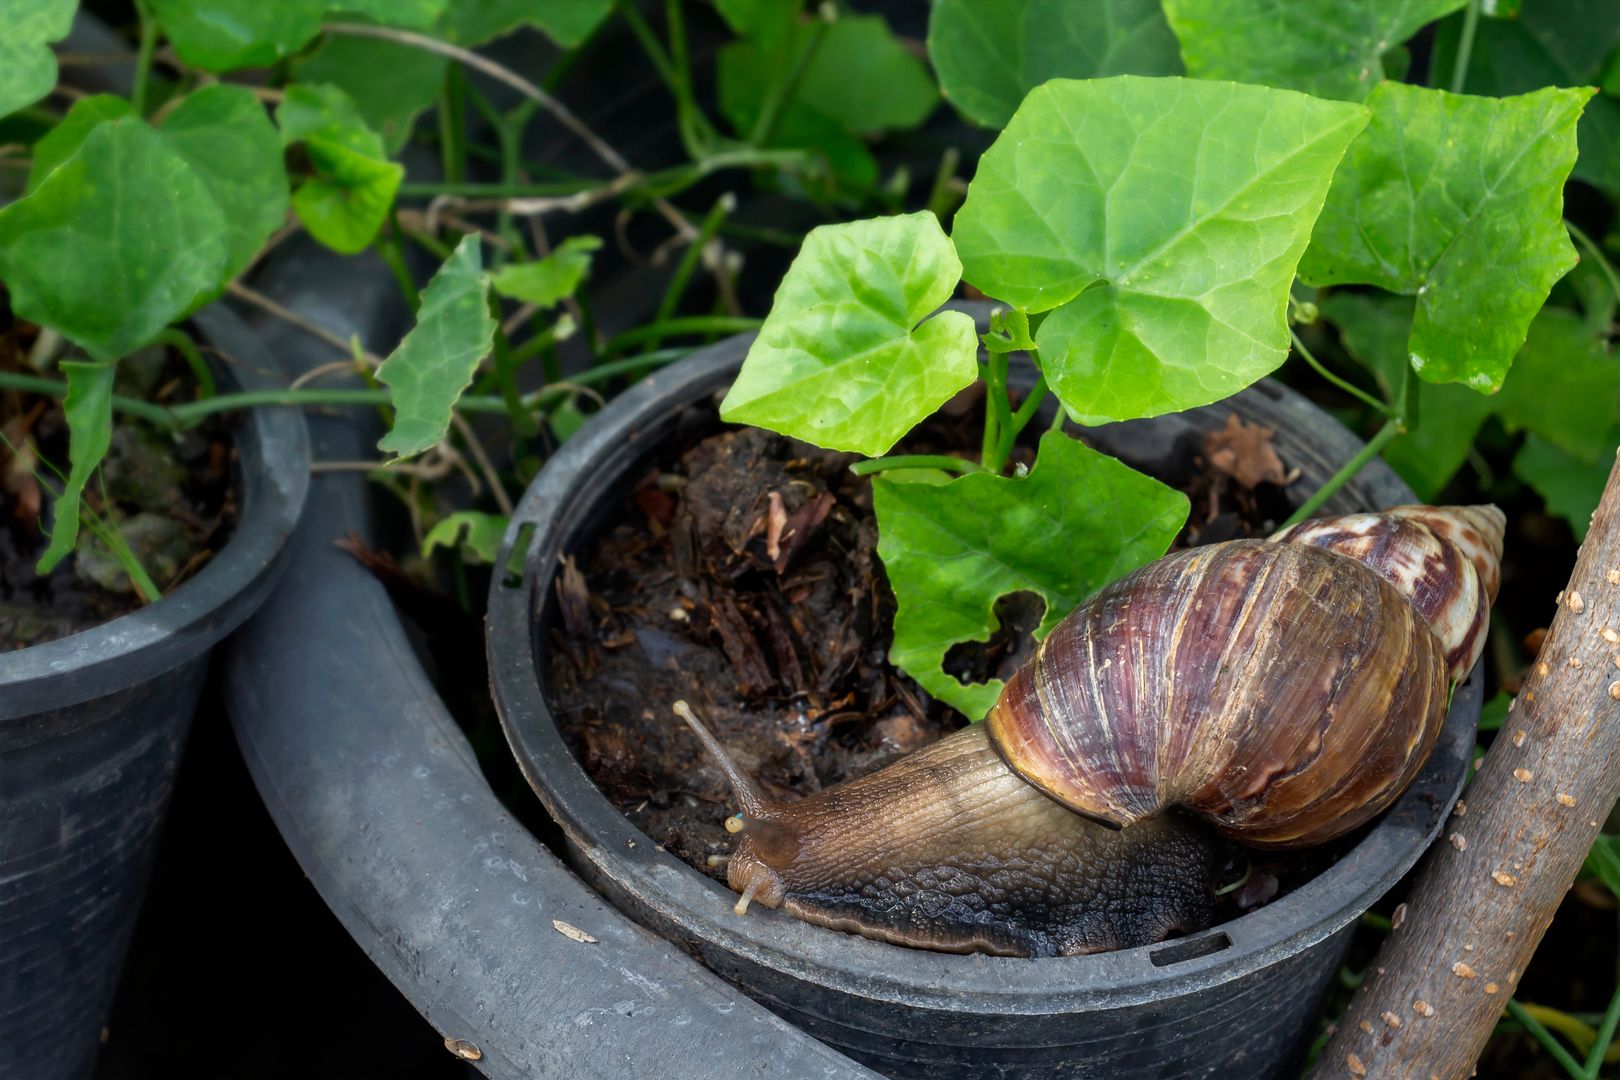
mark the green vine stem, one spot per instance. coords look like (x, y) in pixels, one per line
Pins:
(187, 414)
(782, 90)
(1465, 47)
(1601, 1052)
(998, 415)
(694, 324)
(722, 208)
(914, 461)
(453, 125)
(1596, 252)
(143, 58)
(180, 341)
(1311, 505)
(1547, 1039)
(1348, 387)
(1020, 420)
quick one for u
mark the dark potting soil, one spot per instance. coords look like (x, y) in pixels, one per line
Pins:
(741, 574)
(173, 498)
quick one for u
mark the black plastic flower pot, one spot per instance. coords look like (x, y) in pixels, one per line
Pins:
(521, 966)
(1238, 999)
(91, 730)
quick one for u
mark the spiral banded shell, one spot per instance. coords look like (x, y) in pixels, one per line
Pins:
(1186, 683)
(1446, 560)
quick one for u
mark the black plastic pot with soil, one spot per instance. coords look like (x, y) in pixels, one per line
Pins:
(92, 725)
(603, 620)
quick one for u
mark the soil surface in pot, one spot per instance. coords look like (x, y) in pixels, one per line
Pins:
(173, 498)
(741, 574)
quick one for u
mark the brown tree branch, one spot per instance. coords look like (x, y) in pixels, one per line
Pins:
(1484, 898)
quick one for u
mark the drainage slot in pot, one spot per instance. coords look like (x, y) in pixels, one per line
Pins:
(517, 555)
(1191, 949)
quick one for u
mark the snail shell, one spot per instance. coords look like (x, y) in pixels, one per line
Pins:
(1283, 692)
(1445, 560)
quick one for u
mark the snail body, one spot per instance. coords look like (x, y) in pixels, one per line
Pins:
(1274, 693)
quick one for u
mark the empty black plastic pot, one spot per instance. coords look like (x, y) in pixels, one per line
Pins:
(1238, 999)
(91, 729)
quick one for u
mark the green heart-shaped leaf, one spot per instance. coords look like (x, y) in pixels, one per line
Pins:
(27, 65)
(115, 243)
(389, 83)
(88, 408)
(551, 279)
(841, 360)
(223, 35)
(1162, 219)
(1564, 385)
(65, 139)
(1549, 44)
(432, 367)
(1457, 201)
(1330, 48)
(226, 136)
(347, 203)
(990, 53)
(1079, 520)
(477, 535)
(1569, 486)
(566, 22)
(410, 14)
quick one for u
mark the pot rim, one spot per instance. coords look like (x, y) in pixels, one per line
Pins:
(548, 519)
(273, 453)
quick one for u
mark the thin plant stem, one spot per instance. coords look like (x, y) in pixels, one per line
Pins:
(1602, 1043)
(1375, 921)
(388, 246)
(1322, 494)
(498, 191)
(40, 384)
(782, 91)
(143, 58)
(292, 318)
(942, 197)
(695, 324)
(1597, 254)
(453, 126)
(185, 415)
(180, 341)
(540, 342)
(998, 415)
(688, 116)
(678, 281)
(510, 129)
(1248, 872)
(914, 461)
(650, 45)
(1465, 47)
(1020, 419)
(431, 244)
(557, 109)
(485, 466)
(112, 538)
(1350, 388)
(1547, 1039)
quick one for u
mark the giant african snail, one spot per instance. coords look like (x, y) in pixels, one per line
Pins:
(1278, 693)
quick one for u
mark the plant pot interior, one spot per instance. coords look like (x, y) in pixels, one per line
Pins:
(1256, 978)
(740, 573)
(172, 498)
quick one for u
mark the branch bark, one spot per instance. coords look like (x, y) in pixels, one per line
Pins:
(1511, 849)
